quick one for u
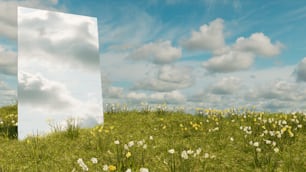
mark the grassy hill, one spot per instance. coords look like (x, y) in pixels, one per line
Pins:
(167, 141)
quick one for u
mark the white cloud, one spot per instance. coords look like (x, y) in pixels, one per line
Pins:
(63, 39)
(113, 92)
(136, 97)
(210, 37)
(259, 44)
(300, 70)
(173, 97)
(168, 78)
(35, 90)
(229, 62)
(8, 14)
(227, 85)
(161, 52)
(8, 62)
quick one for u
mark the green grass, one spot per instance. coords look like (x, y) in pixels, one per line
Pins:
(224, 143)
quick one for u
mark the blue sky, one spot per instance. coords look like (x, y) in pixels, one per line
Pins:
(204, 53)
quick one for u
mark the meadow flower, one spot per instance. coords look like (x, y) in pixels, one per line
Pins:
(145, 146)
(117, 142)
(131, 143)
(112, 168)
(273, 143)
(268, 142)
(231, 139)
(126, 147)
(128, 170)
(128, 154)
(151, 137)
(143, 169)
(171, 151)
(206, 155)
(94, 160)
(258, 150)
(82, 164)
(190, 151)
(140, 143)
(276, 150)
(198, 151)
(256, 144)
(299, 126)
(184, 154)
(105, 167)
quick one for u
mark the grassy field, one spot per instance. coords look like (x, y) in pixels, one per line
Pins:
(165, 141)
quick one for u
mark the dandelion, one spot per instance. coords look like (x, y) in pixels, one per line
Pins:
(184, 154)
(94, 160)
(112, 168)
(116, 142)
(276, 150)
(171, 151)
(128, 154)
(143, 169)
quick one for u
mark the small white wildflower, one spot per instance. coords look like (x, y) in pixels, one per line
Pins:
(232, 139)
(299, 126)
(206, 155)
(276, 150)
(268, 142)
(151, 137)
(126, 147)
(94, 160)
(140, 143)
(105, 167)
(171, 151)
(131, 143)
(128, 170)
(251, 142)
(143, 170)
(116, 142)
(198, 151)
(256, 144)
(273, 143)
(190, 151)
(145, 146)
(184, 154)
(82, 164)
(258, 150)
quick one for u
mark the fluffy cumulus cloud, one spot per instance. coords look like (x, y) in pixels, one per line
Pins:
(35, 90)
(8, 14)
(8, 62)
(168, 78)
(300, 71)
(8, 95)
(210, 37)
(230, 61)
(136, 97)
(259, 44)
(227, 85)
(63, 39)
(173, 97)
(161, 52)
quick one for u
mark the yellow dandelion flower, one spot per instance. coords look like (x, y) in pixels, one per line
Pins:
(112, 168)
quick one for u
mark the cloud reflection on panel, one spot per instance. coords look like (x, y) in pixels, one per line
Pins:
(58, 71)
